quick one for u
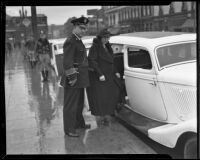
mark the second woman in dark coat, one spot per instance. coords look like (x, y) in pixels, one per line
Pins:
(103, 93)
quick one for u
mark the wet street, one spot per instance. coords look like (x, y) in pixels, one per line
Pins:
(34, 119)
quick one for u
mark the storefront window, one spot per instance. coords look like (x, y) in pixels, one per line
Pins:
(144, 12)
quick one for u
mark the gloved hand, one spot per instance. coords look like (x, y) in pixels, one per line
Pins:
(102, 78)
(71, 75)
(117, 74)
(72, 79)
(72, 82)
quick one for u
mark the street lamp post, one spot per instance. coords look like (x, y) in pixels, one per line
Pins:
(22, 16)
(97, 14)
(34, 22)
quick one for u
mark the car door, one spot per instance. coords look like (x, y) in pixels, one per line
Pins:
(58, 58)
(142, 88)
(53, 57)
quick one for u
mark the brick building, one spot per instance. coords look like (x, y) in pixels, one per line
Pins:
(96, 21)
(178, 16)
(16, 30)
(56, 31)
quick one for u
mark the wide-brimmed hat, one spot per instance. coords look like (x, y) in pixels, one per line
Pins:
(80, 21)
(104, 33)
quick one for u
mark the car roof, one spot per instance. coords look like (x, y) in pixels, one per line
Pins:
(62, 40)
(152, 39)
(154, 34)
(87, 37)
(57, 41)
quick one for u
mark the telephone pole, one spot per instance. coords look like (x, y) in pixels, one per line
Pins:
(34, 22)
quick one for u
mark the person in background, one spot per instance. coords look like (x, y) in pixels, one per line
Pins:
(75, 78)
(30, 49)
(103, 92)
(43, 51)
(8, 48)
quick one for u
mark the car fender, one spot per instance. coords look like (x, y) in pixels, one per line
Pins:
(168, 135)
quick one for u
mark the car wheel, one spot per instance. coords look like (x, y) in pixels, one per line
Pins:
(190, 148)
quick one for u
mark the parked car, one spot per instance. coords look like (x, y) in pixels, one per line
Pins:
(160, 80)
(57, 54)
(159, 73)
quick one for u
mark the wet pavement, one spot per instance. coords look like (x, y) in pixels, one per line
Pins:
(34, 122)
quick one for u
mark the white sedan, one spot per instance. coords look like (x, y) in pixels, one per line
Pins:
(159, 73)
(160, 78)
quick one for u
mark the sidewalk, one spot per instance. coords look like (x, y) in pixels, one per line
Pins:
(34, 122)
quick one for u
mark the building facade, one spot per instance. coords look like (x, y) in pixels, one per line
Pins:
(178, 16)
(56, 31)
(96, 22)
(16, 30)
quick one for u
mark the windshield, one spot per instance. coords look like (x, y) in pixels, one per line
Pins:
(176, 53)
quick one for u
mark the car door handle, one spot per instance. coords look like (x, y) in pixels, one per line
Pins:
(154, 83)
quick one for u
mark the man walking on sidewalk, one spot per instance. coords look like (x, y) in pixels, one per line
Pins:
(75, 78)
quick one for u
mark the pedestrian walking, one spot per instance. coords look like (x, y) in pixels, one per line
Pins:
(103, 92)
(43, 51)
(8, 49)
(30, 49)
(75, 78)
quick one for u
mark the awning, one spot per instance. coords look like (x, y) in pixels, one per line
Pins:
(125, 26)
(10, 30)
(189, 23)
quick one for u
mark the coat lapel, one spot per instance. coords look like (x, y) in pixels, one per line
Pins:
(105, 55)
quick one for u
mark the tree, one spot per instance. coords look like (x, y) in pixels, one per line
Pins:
(68, 26)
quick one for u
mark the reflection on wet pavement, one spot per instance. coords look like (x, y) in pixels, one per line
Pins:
(34, 122)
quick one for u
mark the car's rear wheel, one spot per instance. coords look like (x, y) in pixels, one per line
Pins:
(190, 148)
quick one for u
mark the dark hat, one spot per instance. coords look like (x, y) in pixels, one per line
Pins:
(80, 21)
(104, 33)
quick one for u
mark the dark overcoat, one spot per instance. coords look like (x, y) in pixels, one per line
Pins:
(75, 56)
(43, 46)
(103, 96)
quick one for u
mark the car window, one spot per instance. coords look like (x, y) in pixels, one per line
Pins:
(51, 49)
(139, 58)
(88, 46)
(60, 46)
(177, 53)
(55, 48)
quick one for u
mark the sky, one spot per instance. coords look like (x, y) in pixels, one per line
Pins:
(55, 14)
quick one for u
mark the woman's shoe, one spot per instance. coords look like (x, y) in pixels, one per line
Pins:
(70, 134)
(87, 126)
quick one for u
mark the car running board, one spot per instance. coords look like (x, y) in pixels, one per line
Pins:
(136, 120)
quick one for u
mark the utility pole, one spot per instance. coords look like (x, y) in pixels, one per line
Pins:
(34, 22)
(97, 16)
(23, 16)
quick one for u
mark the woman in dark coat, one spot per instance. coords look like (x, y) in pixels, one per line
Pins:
(103, 93)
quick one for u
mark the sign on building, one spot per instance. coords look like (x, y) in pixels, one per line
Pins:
(26, 22)
(92, 11)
